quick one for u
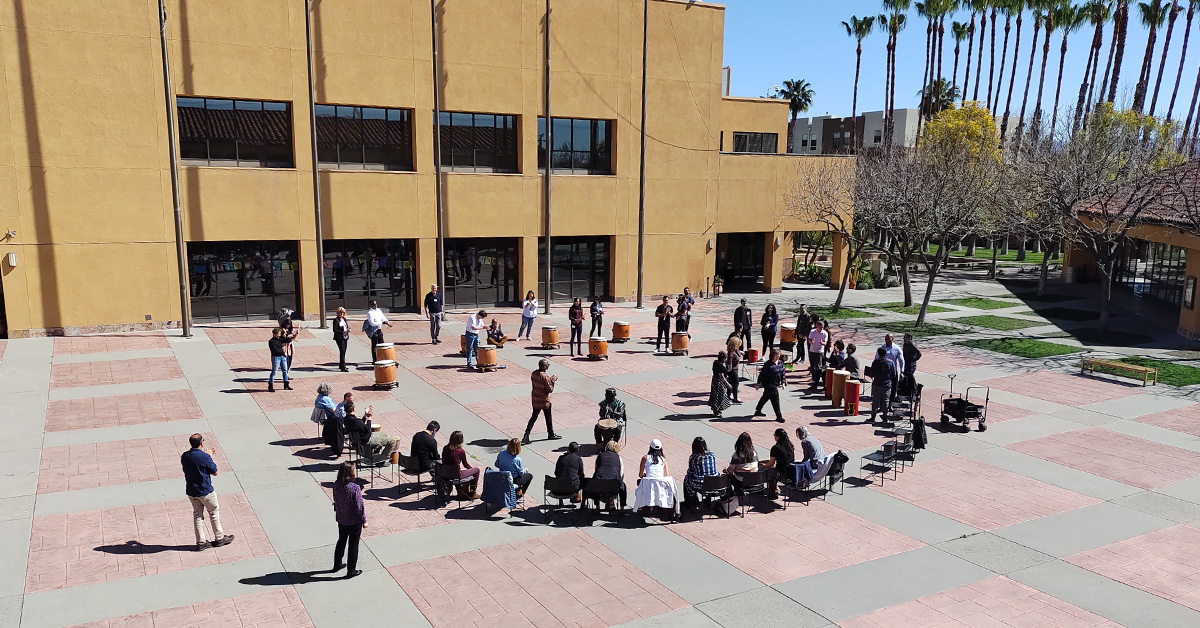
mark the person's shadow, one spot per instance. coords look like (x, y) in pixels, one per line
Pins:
(135, 547)
(283, 578)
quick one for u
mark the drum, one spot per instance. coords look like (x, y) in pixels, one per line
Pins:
(679, 342)
(385, 374)
(839, 387)
(487, 356)
(597, 348)
(384, 352)
(462, 344)
(853, 390)
(829, 382)
(550, 337)
(606, 430)
(788, 333)
(620, 331)
(752, 356)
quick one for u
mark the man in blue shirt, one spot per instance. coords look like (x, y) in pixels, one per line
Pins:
(198, 469)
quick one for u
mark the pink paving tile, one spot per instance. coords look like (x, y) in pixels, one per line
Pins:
(686, 395)
(75, 345)
(1068, 389)
(304, 391)
(456, 377)
(115, 543)
(631, 451)
(621, 359)
(995, 602)
(1144, 464)
(114, 372)
(510, 416)
(1165, 563)
(1185, 419)
(980, 495)
(250, 333)
(280, 608)
(390, 510)
(136, 409)
(797, 542)
(565, 579)
(996, 412)
(946, 361)
(92, 465)
(304, 360)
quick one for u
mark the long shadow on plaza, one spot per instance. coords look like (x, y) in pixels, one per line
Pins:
(134, 547)
(283, 578)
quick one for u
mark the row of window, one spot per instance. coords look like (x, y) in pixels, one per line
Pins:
(258, 134)
(745, 142)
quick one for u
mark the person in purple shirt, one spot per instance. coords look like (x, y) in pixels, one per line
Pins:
(351, 518)
(198, 469)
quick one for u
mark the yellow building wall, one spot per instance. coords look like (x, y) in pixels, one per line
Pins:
(84, 170)
(756, 115)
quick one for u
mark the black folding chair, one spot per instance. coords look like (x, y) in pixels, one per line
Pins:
(713, 488)
(754, 483)
(601, 491)
(560, 490)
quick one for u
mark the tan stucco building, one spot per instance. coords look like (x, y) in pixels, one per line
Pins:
(85, 175)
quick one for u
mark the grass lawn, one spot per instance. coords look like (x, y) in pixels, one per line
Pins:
(1020, 347)
(986, 255)
(990, 321)
(1168, 372)
(924, 331)
(1067, 314)
(843, 313)
(914, 309)
(980, 303)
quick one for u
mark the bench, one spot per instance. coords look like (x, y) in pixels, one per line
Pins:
(1131, 370)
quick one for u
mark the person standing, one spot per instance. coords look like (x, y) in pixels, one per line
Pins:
(198, 469)
(883, 374)
(663, 313)
(529, 312)
(351, 517)
(575, 315)
(543, 385)
(895, 357)
(911, 354)
(733, 361)
(341, 337)
(741, 318)
(683, 315)
(373, 326)
(597, 317)
(476, 324)
(718, 391)
(770, 377)
(803, 326)
(433, 311)
(288, 335)
(278, 360)
(817, 339)
(770, 327)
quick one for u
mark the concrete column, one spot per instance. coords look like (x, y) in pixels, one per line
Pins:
(773, 261)
(426, 271)
(622, 262)
(527, 266)
(310, 287)
(838, 262)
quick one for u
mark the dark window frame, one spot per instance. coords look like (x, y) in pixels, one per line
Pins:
(755, 142)
(235, 132)
(388, 148)
(468, 146)
(586, 150)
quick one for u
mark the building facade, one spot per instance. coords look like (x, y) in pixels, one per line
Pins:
(86, 179)
(830, 135)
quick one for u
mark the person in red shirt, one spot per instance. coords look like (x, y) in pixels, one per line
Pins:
(453, 454)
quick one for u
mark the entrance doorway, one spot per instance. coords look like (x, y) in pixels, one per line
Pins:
(740, 260)
(481, 272)
(359, 271)
(243, 280)
(579, 268)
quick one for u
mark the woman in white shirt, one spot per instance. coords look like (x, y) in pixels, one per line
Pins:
(656, 487)
(529, 312)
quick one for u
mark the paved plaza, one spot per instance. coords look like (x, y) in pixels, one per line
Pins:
(1079, 506)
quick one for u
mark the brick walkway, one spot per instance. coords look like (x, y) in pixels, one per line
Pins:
(1141, 463)
(272, 609)
(135, 409)
(115, 372)
(77, 345)
(91, 465)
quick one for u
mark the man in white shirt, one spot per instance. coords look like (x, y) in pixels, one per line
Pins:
(896, 358)
(817, 339)
(476, 324)
(373, 326)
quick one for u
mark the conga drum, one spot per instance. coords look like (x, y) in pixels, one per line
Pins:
(606, 430)
(839, 387)
(829, 382)
(620, 331)
(462, 344)
(385, 351)
(487, 356)
(679, 342)
(385, 374)
(752, 356)
(598, 348)
(550, 336)
(788, 333)
(853, 391)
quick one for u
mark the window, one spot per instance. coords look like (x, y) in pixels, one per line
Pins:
(580, 146)
(359, 271)
(243, 280)
(878, 136)
(481, 272)
(579, 268)
(240, 133)
(804, 142)
(478, 142)
(755, 142)
(364, 138)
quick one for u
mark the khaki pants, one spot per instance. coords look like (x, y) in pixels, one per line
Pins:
(199, 506)
(384, 444)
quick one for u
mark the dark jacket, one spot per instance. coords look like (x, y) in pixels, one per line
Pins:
(742, 316)
(355, 425)
(882, 372)
(424, 450)
(608, 466)
(276, 346)
(911, 355)
(570, 466)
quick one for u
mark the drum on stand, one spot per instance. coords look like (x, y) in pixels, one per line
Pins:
(550, 336)
(487, 357)
(597, 348)
(385, 351)
(679, 343)
(620, 331)
(787, 333)
(385, 375)
(606, 430)
(853, 390)
(462, 344)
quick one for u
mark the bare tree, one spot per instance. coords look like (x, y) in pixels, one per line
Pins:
(823, 193)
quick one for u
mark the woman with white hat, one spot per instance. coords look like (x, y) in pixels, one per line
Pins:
(656, 487)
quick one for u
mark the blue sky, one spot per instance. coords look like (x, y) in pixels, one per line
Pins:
(769, 41)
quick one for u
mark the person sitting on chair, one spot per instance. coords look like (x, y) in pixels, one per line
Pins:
(783, 454)
(609, 466)
(570, 465)
(701, 464)
(614, 409)
(509, 459)
(655, 486)
(496, 335)
(744, 460)
(811, 452)
(379, 442)
(424, 447)
(850, 363)
(454, 455)
(837, 357)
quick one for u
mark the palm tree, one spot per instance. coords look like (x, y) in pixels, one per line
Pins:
(799, 95)
(1036, 7)
(939, 91)
(961, 31)
(926, 10)
(1010, 7)
(1153, 16)
(970, 47)
(1097, 11)
(895, 23)
(1162, 63)
(1050, 17)
(1069, 19)
(1187, 126)
(858, 28)
(992, 56)
(1120, 30)
(1187, 31)
(944, 7)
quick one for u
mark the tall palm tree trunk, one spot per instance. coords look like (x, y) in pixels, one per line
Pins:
(1187, 32)
(1162, 62)
(1037, 23)
(1184, 146)
(1085, 87)
(970, 47)
(887, 90)
(1036, 124)
(854, 100)
(957, 46)
(991, 62)
(1120, 30)
(1012, 79)
(926, 72)
(1004, 54)
(941, 44)
(1062, 60)
(1112, 46)
(1139, 92)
